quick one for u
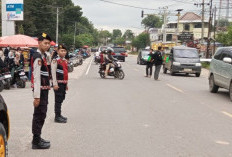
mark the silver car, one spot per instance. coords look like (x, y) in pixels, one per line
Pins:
(221, 70)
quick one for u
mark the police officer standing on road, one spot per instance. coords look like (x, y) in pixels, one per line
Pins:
(158, 60)
(60, 81)
(41, 85)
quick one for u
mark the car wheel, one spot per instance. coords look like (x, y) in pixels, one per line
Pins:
(3, 142)
(198, 74)
(212, 87)
(230, 91)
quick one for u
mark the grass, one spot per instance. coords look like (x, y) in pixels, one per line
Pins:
(205, 65)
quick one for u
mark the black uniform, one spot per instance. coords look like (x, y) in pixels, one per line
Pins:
(60, 78)
(41, 86)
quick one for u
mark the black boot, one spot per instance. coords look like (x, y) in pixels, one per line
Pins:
(65, 118)
(38, 143)
(59, 119)
(45, 141)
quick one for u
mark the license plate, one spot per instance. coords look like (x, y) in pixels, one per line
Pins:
(188, 70)
(7, 76)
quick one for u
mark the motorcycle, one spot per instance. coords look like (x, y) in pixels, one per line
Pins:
(20, 78)
(115, 71)
(7, 78)
(97, 59)
(1, 82)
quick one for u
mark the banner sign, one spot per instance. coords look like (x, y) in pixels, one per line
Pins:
(14, 10)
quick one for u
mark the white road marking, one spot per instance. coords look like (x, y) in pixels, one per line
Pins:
(87, 72)
(136, 69)
(177, 89)
(227, 114)
(222, 142)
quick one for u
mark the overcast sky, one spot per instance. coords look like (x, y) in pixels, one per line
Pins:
(110, 16)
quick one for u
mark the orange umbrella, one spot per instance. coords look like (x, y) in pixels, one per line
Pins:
(18, 41)
(53, 43)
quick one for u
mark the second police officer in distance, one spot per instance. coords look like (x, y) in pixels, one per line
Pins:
(59, 69)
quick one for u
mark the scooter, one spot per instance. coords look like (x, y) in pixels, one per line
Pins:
(115, 71)
(97, 59)
(20, 78)
(1, 82)
(7, 78)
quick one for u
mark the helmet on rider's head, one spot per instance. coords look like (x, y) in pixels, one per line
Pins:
(109, 50)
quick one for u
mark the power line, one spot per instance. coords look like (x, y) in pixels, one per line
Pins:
(126, 5)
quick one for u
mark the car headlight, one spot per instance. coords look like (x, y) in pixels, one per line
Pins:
(176, 63)
(198, 64)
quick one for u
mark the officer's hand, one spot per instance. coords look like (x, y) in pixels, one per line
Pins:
(56, 87)
(36, 102)
(67, 88)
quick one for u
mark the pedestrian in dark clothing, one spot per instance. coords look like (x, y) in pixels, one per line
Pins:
(6, 51)
(149, 64)
(158, 61)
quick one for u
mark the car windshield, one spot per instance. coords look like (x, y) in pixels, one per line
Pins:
(119, 49)
(144, 53)
(186, 53)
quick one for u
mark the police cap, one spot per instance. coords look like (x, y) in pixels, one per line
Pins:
(43, 36)
(61, 46)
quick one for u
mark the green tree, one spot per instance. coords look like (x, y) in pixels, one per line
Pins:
(117, 33)
(141, 41)
(21, 30)
(119, 41)
(128, 35)
(84, 39)
(104, 36)
(225, 38)
(223, 23)
(152, 21)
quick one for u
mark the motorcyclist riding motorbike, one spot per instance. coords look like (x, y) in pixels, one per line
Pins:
(109, 59)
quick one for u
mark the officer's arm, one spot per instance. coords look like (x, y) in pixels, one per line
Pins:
(54, 68)
(37, 77)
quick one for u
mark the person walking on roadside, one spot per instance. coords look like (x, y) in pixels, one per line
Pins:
(149, 64)
(40, 82)
(158, 61)
(59, 68)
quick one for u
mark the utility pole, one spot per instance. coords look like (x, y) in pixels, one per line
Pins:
(215, 27)
(57, 24)
(178, 21)
(203, 21)
(202, 18)
(165, 14)
(74, 41)
(209, 31)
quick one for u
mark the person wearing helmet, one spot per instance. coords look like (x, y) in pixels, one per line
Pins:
(109, 60)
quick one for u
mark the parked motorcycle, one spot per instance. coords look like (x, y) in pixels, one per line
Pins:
(1, 82)
(20, 78)
(7, 78)
(115, 71)
(70, 66)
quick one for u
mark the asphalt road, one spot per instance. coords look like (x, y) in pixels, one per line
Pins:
(134, 117)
